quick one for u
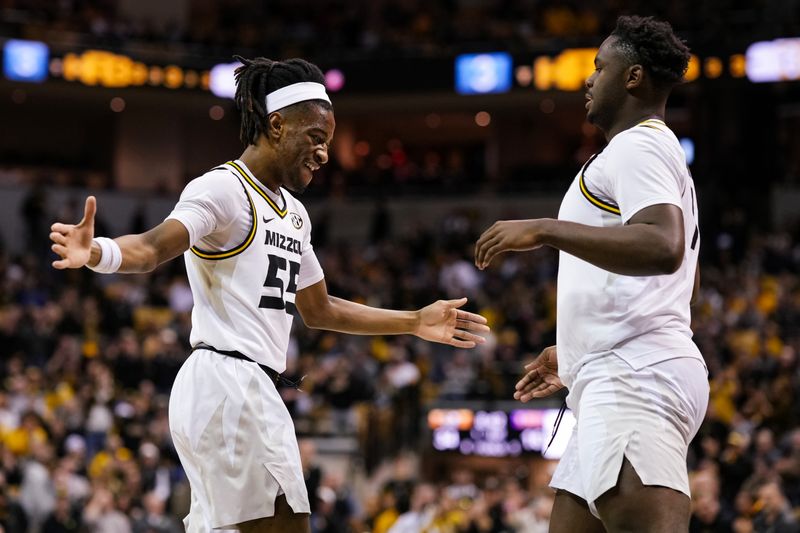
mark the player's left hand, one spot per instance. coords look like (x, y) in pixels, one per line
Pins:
(504, 236)
(444, 322)
(541, 377)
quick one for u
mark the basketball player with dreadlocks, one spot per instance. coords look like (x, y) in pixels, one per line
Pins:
(246, 241)
(628, 239)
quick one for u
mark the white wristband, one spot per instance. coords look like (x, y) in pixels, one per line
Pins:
(110, 256)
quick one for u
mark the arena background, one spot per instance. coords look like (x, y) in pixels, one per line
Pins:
(450, 115)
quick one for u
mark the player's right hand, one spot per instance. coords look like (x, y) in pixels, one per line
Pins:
(73, 242)
(541, 377)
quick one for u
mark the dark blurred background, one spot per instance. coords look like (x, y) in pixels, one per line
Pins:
(450, 115)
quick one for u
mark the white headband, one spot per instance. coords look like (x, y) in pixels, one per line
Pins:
(296, 92)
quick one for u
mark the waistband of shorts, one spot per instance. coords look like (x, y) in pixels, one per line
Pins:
(274, 375)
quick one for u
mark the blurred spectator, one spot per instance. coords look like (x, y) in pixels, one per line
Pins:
(37, 491)
(101, 514)
(12, 515)
(708, 516)
(83, 420)
(312, 472)
(63, 519)
(34, 215)
(335, 507)
(535, 517)
(152, 518)
(462, 486)
(776, 514)
(422, 512)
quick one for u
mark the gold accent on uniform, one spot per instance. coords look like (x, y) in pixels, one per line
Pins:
(272, 204)
(203, 254)
(594, 200)
(651, 122)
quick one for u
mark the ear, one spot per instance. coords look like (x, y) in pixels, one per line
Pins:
(634, 77)
(276, 125)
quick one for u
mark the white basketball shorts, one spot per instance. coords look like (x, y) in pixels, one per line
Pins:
(648, 416)
(235, 440)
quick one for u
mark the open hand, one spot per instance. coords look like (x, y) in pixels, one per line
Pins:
(444, 322)
(73, 242)
(541, 377)
(504, 236)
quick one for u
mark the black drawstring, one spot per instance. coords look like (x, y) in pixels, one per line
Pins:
(279, 379)
(559, 417)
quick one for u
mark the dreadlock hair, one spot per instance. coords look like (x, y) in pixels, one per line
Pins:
(652, 44)
(260, 76)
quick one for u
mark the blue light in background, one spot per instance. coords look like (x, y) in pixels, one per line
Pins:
(483, 73)
(25, 60)
(688, 148)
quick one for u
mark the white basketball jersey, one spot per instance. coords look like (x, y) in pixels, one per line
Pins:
(643, 319)
(244, 295)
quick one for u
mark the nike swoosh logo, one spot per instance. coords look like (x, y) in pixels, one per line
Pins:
(266, 220)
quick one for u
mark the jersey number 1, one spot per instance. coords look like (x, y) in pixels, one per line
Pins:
(278, 264)
(696, 234)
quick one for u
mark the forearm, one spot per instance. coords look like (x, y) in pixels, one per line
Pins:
(631, 250)
(350, 317)
(137, 255)
(145, 251)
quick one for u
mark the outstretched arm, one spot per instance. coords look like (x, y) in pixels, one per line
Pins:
(441, 321)
(140, 253)
(651, 243)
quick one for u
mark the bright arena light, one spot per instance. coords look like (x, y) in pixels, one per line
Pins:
(688, 149)
(334, 80)
(483, 73)
(778, 60)
(221, 80)
(25, 60)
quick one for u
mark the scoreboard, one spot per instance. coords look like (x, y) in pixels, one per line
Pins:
(499, 433)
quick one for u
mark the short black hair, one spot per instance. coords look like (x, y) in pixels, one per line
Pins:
(260, 76)
(652, 44)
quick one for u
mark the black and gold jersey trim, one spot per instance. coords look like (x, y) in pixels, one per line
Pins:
(204, 254)
(281, 212)
(594, 200)
(609, 207)
(652, 123)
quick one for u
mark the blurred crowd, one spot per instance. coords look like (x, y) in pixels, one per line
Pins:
(88, 362)
(337, 29)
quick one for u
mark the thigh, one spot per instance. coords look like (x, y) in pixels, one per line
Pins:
(284, 521)
(636, 416)
(633, 506)
(571, 515)
(236, 434)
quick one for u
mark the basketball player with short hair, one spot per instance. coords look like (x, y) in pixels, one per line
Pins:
(246, 241)
(628, 239)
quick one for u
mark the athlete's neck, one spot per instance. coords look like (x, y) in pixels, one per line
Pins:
(628, 120)
(260, 165)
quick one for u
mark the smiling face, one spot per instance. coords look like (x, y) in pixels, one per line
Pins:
(306, 134)
(606, 87)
